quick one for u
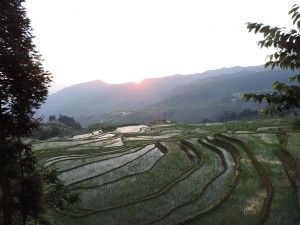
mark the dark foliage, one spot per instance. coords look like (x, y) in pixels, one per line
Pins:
(245, 114)
(287, 56)
(69, 121)
(297, 124)
(44, 134)
(52, 118)
(23, 88)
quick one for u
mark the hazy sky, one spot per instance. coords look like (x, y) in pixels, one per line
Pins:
(127, 40)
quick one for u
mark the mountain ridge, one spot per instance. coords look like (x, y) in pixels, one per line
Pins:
(88, 100)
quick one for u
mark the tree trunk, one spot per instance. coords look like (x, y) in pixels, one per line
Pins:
(24, 214)
(7, 210)
(24, 217)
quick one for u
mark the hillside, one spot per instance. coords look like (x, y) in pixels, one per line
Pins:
(173, 173)
(186, 98)
(201, 99)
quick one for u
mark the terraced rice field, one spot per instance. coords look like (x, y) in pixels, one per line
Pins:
(233, 173)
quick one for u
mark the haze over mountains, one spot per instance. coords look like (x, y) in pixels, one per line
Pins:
(185, 98)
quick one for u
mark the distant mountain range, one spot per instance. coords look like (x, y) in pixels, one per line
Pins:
(186, 98)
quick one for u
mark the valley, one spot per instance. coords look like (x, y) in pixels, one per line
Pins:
(185, 98)
(176, 173)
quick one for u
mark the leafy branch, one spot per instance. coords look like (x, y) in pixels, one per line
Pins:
(286, 56)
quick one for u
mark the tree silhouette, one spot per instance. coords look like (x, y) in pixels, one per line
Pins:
(287, 56)
(52, 118)
(23, 88)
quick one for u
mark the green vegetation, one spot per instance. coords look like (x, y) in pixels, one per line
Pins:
(239, 172)
(26, 189)
(245, 114)
(286, 42)
(221, 173)
(62, 126)
(23, 89)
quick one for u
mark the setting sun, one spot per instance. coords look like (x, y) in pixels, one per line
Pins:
(162, 38)
(138, 81)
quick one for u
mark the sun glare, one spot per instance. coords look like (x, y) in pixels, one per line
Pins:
(138, 81)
